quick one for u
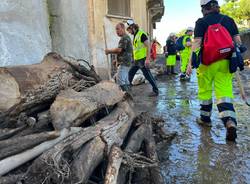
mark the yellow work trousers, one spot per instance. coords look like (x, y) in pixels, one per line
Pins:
(185, 55)
(171, 60)
(215, 77)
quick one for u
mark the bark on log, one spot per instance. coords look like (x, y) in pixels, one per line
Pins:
(133, 146)
(155, 173)
(30, 88)
(72, 108)
(7, 133)
(16, 145)
(83, 68)
(13, 162)
(13, 179)
(87, 160)
(117, 126)
(55, 163)
(114, 163)
(16, 81)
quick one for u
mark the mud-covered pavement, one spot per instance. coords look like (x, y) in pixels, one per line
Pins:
(198, 154)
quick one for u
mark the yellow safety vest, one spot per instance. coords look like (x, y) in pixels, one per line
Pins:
(184, 42)
(140, 51)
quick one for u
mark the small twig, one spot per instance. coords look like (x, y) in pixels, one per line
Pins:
(138, 161)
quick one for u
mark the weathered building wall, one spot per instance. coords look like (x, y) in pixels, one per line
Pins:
(246, 41)
(99, 17)
(97, 42)
(69, 27)
(139, 13)
(24, 31)
(29, 29)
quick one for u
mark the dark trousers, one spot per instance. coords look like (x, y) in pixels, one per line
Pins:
(140, 64)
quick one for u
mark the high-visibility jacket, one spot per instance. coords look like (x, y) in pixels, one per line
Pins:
(140, 50)
(185, 54)
(184, 42)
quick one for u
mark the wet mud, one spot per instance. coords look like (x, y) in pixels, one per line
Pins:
(198, 154)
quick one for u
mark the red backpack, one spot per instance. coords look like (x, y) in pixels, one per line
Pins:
(217, 44)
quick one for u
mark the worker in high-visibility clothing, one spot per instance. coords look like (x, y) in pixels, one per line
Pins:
(141, 53)
(215, 76)
(171, 54)
(186, 52)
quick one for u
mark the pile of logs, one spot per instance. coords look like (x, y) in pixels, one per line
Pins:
(60, 123)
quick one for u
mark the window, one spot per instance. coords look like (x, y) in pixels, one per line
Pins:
(119, 7)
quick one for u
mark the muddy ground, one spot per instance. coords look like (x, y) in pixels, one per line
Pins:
(197, 154)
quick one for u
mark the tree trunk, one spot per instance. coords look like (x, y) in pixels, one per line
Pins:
(114, 163)
(16, 145)
(72, 108)
(134, 144)
(72, 154)
(85, 162)
(30, 88)
(155, 173)
(7, 133)
(15, 161)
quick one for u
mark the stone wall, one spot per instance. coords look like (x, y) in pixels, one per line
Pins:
(69, 27)
(24, 31)
(246, 41)
(29, 29)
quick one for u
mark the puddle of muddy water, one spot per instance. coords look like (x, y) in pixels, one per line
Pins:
(197, 154)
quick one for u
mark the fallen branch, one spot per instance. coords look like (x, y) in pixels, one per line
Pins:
(114, 163)
(72, 108)
(13, 162)
(133, 146)
(7, 133)
(16, 145)
(73, 155)
(155, 173)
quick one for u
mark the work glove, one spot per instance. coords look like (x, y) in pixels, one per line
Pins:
(237, 60)
(196, 58)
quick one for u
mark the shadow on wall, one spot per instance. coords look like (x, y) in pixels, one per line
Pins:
(245, 36)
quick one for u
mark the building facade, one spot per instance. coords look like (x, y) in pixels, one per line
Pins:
(78, 28)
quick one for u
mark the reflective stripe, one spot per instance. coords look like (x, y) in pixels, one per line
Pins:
(224, 100)
(224, 114)
(206, 102)
(205, 113)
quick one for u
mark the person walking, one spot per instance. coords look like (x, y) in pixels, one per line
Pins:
(186, 52)
(215, 75)
(171, 50)
(124, 53)
(153, 50)
(141, 53)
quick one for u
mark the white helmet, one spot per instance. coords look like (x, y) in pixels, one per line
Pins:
(172, 34)
(204, 2)
(190, 29)
(130, 22)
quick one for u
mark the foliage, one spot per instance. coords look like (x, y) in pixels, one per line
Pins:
(182, 32)
(239, 10)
